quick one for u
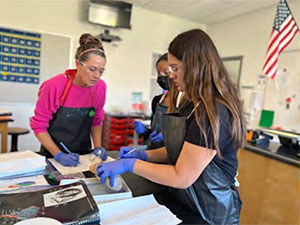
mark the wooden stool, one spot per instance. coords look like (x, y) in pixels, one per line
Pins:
(15, 132)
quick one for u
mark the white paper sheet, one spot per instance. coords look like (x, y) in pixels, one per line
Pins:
(84, 165)
(18, 163)
(142, 210)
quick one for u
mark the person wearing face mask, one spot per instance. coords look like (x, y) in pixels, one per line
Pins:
(160, 104)
(201, 140)
(69, 109)
(169, 101)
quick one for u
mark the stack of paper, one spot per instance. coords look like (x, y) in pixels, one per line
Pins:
(21, 163)
(142, 210)
(5, 115)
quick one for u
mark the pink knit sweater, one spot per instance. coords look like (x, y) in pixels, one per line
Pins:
(50, 93)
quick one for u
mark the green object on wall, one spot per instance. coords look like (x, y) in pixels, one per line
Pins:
(266, 118)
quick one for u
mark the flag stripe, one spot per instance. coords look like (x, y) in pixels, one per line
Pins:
(285, 25)
(279, 47)
(279, 36)
(273, 65)
(289, 39)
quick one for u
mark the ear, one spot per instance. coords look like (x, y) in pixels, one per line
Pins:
(77, 63)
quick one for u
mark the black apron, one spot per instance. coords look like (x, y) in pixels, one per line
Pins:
(156, 123)
(71, 126)
(213, 197)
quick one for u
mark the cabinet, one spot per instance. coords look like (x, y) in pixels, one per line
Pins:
(269, 190)
(118, 130)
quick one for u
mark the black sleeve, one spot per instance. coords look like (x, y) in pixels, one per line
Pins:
(154, 102)
(195, 136)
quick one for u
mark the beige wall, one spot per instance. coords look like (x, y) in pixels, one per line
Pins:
(129, 61)
(248, 35)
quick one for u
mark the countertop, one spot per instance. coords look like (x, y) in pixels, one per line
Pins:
(277, 151)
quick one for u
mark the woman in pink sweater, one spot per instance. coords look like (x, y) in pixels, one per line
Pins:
(69, 109)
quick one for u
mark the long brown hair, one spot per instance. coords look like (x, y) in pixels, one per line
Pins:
(206, 81)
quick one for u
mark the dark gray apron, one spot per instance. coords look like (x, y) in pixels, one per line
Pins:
(156, 123)
(213, 196)
(71, 126)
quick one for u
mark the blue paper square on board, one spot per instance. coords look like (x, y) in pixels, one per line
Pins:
(22, 51)
(21, 60)
(22, 42)
(6, 59)
(14, 40)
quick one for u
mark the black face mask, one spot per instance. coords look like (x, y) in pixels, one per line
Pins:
(163, 82)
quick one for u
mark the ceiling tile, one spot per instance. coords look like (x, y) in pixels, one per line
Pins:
(204, 11)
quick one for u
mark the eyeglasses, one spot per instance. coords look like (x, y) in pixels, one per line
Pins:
(92, 69)
(173, 68)
(165, 73)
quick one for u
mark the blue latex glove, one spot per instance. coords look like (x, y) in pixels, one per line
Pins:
(114, 168)
(135, 154)
(67, 159)
(139, 127)
(100, 152)
(156, 137)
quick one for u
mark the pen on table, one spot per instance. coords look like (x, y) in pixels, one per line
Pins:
(132, 150)
(65, 148)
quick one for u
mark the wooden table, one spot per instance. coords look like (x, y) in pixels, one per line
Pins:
(3, 131)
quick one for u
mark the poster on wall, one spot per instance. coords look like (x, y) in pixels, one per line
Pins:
(20, 56)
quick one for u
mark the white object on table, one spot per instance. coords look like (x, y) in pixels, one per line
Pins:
(39, 221)
(84, 165)
(20, 163)
(143, 210)
(18, 183)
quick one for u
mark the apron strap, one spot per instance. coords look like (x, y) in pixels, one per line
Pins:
(191, 113)
(70, 74)
(178, 99)
(93, 98)
(163, 97)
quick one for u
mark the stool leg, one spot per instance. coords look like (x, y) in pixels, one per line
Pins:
(14, 143)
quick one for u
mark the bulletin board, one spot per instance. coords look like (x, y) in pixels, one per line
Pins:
(280, 95)
(27, 59)
(283, 92)
(20, 54)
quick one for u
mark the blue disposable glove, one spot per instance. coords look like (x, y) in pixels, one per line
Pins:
(100, 152)
(156, 137)
(135, 154)
(67, 159)
(114, 168)
(139, 127)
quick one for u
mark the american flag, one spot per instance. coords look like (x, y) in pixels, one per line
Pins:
(284, 30)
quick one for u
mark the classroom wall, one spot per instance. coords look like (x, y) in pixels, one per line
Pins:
(129, 61)
(248, 35)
